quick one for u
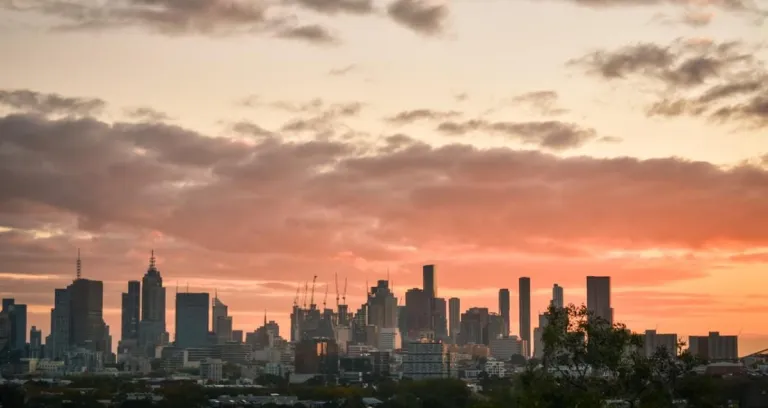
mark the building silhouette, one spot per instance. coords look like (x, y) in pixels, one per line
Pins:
(454, 317)
(17, 313)
(130, 312)
(87, 329)
(504, 308)
(524, 293)
(557, 296)
(599, 297)
(57, 342)
(152, 331)
(191, 320)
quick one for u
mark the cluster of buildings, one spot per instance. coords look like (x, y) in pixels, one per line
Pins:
(426, 337)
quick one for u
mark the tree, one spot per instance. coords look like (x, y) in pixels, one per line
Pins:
(587, 360)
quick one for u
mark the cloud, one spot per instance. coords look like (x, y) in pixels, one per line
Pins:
(552, 135)
(251, 210)
(342, 70)
(420, 16)
(411, 116)
(314, 33)
(49, 103)
(337, 6)
(147, 114)
(724, 82)
(545, 102)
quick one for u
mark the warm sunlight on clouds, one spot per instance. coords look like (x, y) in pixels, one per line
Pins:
(253, 144)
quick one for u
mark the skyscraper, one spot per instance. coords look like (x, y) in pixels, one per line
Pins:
(152, 326)
(18, 316)
(382, 306)
(504, 308)
(86, 315)
(599, 297)
(192, 320)
(524, 293)
(557, 296)
(130, 311)
(439, 318)
(454, 317)
(430, 282)
(417, 305)
(58, 343)
(35, 343)
(218, 309)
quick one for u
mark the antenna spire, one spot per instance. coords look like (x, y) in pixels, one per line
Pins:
(152, 260)
(265, 317)
(79, 265)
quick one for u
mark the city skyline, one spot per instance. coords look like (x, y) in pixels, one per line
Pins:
(201, 308)
(495, 140)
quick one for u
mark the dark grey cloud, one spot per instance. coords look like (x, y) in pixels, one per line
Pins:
(336, 6)
(553, 135)
(419, 15)
(49, 103)
(313, 33)
(724, 82)
(252, 129)
(544, 102)
(147, 114)
(415, 115)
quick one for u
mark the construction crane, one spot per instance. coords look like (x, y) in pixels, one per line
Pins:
(336, 275)
(344, 293)
(306, 289)
(296, 298)
(312, 297)
(326, 296)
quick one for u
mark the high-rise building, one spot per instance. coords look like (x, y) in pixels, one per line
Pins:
(58, 340)
(524, 293)
(18, 316)
(454, 317)
(130, 311)
(474, 326)
(218, 310)
(440, 318)
(430, 281)
(86, 322)
(417, 304)
(35, 343)
(192, 320)
(382, 306)
(557, 296)
(599, 297)
(152, 326)
(504, 308)
(427, 359)
(714, 347)
(653, 341)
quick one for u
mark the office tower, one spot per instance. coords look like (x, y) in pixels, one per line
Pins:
(599, 297)
(218, 310)
(474, 326)
(237, 336)
(86, 322)
(496, 326)
(653, 341)
(524, 293)
(714, 347)
(17, 314)
(59, 337)
(557, 296)
(130, 312)
(417, 304)
(5, 337)
(35, 343)
(440, 318)
(454, 317)
(382, 306)
(152, 326)
(430, 281)
(192, 320)
(504, 308)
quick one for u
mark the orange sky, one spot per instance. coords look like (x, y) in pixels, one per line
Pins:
(254, 146)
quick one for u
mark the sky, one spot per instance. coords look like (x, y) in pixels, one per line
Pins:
(254, 144)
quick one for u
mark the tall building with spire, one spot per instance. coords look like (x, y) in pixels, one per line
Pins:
(152, 327)
(87, 329)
